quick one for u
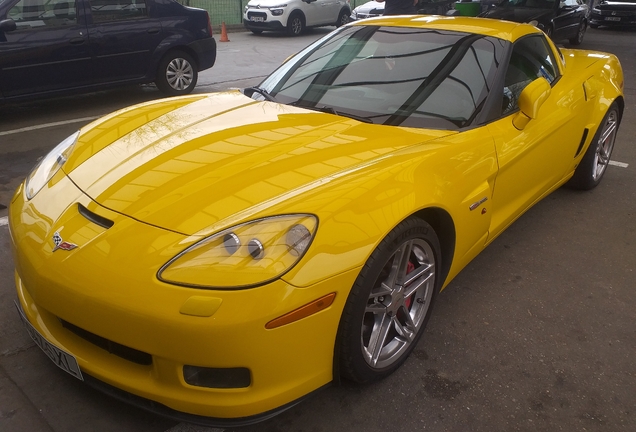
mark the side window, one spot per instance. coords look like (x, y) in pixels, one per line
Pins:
(29, 14)
(530, 60)
(117, 10)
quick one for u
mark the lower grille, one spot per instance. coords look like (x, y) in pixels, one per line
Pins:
(114, 348)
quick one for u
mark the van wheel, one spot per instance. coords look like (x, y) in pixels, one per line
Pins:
(177, 74)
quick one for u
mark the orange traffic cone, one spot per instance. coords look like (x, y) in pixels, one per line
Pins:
(224, 37)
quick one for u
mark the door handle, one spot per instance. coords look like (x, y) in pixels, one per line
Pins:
(153, 30)
(77, 41)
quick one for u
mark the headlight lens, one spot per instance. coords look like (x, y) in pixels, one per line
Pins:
(276, 12)
(49, 165)
(245, 255)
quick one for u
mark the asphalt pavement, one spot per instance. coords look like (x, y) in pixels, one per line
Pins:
(537, 334)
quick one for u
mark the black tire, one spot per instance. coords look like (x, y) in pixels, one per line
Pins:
(343, 18)
(594, 163)
(580, 32)
(594, 26)
(256, 32)
(177, 74)
(384, 303)
(295, 24)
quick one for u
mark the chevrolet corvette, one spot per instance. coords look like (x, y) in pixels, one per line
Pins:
(216, 258)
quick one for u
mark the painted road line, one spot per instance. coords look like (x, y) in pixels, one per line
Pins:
(48, 125)
(4, 221)
(618, 164)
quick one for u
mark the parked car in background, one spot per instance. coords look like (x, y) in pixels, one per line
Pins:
(565, 19)
(614, 13)
(427, 7)
(294, 16)
(52, 47)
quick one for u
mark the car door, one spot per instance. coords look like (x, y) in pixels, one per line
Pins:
(123, 38)
(534, 160)
(317, 12)
(331, 10)
(566, 21)
(47, 51)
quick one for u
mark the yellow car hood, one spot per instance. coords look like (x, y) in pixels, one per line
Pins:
(184, 164)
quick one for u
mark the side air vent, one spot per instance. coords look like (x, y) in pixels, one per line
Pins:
(578, 150)
(95, 218)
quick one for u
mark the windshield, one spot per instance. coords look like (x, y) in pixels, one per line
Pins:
(392, 75)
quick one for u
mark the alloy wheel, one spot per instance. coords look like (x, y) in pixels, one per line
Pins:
(605, 145)
(398, 303)
(179, 74)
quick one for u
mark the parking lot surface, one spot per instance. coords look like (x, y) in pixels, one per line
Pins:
(536, 334)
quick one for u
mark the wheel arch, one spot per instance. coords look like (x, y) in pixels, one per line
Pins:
(620, 101)
(444, 227)
(297, 12)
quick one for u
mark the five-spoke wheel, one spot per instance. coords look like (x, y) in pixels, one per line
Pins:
(390, 302)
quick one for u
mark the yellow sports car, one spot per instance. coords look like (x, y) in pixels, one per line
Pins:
(216, 258)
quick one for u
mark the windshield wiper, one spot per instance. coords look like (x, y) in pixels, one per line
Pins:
(260, 91)
(331, 110)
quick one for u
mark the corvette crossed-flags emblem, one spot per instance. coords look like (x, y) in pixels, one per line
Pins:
(61, 244)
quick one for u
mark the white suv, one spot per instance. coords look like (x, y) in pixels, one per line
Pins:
(293, 16)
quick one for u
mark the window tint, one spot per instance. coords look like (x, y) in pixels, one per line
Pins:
(29, 14)
(116, 10)
(530, 60)
(394, 76)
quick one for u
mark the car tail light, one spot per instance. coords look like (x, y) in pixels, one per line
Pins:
(209, 25)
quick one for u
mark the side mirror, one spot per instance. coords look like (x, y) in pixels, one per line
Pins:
(530, 101)
(7, 25)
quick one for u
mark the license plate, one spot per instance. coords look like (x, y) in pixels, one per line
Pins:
(61, 358)
(612, 18)
(257, 19)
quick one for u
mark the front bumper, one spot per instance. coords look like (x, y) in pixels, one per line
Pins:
(107, 286)
(620, 18)
(264, 26)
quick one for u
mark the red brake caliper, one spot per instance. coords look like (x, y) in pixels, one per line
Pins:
(409, 268)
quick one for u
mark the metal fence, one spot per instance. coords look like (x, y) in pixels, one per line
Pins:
(230, 12)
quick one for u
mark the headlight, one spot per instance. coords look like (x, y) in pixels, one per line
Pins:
(596, 10)
(245, 255)
(276, 12)
(49, 165)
